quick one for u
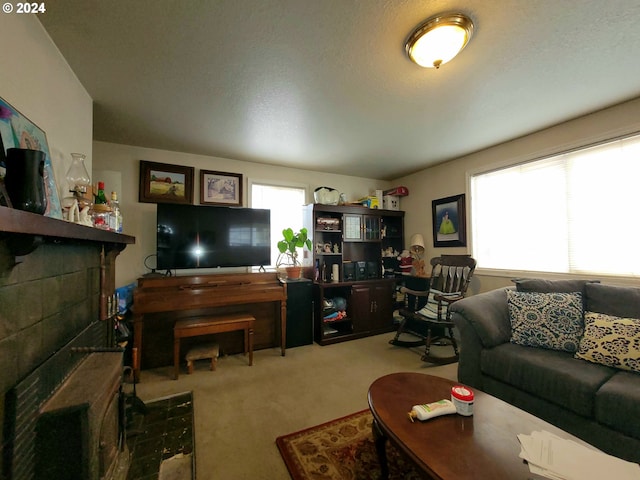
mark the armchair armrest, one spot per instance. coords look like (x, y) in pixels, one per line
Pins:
(448, 298)
(417, 293)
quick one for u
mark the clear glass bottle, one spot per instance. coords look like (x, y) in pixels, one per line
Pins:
(115, 218)
(100, 216)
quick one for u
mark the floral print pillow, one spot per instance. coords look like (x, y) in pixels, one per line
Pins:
(611, 341)
(546, 320)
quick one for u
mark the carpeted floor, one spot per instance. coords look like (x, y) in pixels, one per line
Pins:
(340, 449)
(240, 410)
(161, 440)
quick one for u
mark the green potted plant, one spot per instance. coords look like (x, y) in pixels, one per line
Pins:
(288, 246)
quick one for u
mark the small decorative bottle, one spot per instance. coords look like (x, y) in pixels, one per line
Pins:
(115, 218)
(101, 211)
(100, 197)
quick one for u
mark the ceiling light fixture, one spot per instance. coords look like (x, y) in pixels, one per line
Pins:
(439, 39)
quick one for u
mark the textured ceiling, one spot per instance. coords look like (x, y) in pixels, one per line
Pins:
(325, 84)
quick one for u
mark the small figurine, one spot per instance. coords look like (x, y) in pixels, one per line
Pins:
(406, 262)
(70, 210)
(85, 218)
(336, 248)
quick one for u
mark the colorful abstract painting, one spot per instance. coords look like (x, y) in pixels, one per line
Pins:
(17, 131)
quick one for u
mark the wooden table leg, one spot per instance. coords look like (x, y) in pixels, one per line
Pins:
(137, 345)
(380, 440)
(176, 358)
(250, 346)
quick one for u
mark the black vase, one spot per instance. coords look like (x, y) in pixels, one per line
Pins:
(24, 179)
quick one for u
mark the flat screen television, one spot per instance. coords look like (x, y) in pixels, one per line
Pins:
(192, 236)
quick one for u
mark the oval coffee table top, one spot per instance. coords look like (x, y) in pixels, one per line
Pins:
(482, 446)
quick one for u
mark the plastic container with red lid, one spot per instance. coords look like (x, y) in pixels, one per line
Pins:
(462, 398)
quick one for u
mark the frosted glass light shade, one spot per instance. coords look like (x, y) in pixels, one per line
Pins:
(439, 39)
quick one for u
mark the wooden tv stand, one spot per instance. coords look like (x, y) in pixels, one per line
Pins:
(197, 293)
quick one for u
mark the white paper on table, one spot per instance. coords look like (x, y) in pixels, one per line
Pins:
(562, 459)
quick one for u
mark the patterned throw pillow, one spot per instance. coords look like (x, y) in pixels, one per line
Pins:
(611, 341)
(548, 320)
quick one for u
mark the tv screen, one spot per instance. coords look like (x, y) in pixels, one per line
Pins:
(191, 236)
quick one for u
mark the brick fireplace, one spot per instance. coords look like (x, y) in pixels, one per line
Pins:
(48, 297)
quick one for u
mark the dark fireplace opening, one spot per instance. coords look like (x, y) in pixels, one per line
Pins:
(59, 437)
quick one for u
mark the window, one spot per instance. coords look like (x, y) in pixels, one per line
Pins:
(285, 203)
(571, 213)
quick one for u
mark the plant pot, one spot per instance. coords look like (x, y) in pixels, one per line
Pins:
(294, 273)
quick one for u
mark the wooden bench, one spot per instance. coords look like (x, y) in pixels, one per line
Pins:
(197, 326)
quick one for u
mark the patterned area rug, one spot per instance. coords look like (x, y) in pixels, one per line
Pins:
(340, 449)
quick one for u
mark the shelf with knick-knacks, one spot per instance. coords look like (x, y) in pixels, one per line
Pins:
(347, 262)
(328, 248)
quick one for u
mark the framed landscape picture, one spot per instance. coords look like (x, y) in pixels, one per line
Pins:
(220, 188)
(165, 183)
(449, 222)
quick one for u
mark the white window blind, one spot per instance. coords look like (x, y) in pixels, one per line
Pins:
(285, 204)
(572, 213)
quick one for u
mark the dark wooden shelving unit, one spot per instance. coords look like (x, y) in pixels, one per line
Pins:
(359, 235)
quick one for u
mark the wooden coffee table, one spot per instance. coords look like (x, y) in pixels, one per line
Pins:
(483, 446)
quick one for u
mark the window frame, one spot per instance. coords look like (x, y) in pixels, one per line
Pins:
(275, 183)
(534, 156)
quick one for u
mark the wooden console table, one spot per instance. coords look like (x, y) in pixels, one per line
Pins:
(197, 292)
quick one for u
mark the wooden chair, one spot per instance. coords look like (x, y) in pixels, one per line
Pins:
(431, 322)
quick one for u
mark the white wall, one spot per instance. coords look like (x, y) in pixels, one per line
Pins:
(111, 159)
(38, 82)
(451, 178)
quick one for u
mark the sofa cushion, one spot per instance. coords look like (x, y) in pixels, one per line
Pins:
(618, 403)
(612, 300)
(547, 320)
(549, 374)
(548, 286)
(611, 341)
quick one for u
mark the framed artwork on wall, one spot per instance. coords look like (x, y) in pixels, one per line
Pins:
(17, 131)
(449, 222)
(220, 188)
(165, 183)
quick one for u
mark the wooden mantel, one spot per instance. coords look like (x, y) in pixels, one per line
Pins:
(26, 230)
(27, 223)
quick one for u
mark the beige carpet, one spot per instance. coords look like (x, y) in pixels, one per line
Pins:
(240, 410)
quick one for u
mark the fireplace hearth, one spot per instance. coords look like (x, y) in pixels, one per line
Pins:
(68, 415)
